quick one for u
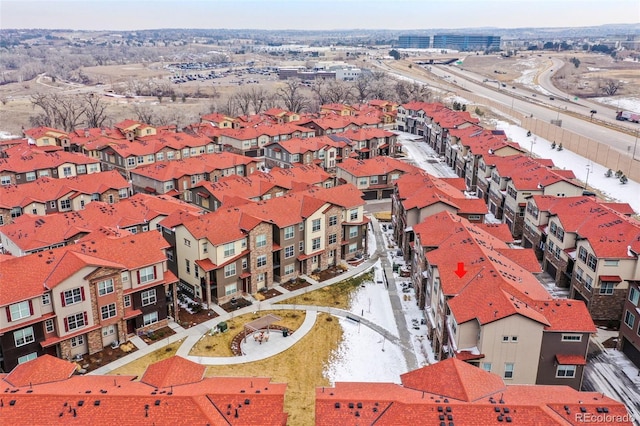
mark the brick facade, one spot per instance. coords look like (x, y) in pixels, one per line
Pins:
(255, 253)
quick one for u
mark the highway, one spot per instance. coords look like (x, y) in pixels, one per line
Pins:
(540, 106)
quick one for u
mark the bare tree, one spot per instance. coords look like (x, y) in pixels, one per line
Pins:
(292, 97)
(64, 112)
(95, 110)
(610, 87)
(145, 114)
(242, 100)
(340, 92)
(362, 85)
(260, 99)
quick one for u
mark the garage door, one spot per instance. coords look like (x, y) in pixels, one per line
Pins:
(370, 195)
(387, 193)
(551, 270)
(631, 351)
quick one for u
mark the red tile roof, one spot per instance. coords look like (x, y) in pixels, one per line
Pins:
(566, 359)
(27, 158)
(44, 369)
(174, 371)
(163, 171)
(566, 315)
(470, 397)
(377, 166)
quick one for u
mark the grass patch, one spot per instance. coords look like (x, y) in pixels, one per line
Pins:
(220, 343)
(300, 366)
(337, 295)
(137, 367)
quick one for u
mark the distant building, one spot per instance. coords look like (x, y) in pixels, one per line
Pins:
(466, 42)
(414, 42)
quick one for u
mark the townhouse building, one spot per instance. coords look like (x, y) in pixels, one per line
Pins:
(139, 213)
(375, 177)
(240, 250)
(281, 116)
(629, 338)
(22, 163)
(497, 315)
(171, 391)
(219, 120)
(250, 141)
(419, 195)
(126, 155)
(329, 124)
(46, 195)
(80, 298)
(439, 124)
(412, 116)
(371, 142)
(298, 177)
(453, 392)
(47, 138)
(176, 177)
(319, 150)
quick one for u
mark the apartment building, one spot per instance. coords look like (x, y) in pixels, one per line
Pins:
(47, 138)
(629, 339)
(371, 142)
(319, 150)
(250, 141)
(80, 298)
(412, 116)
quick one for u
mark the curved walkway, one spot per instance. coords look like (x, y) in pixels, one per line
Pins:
(192, 335)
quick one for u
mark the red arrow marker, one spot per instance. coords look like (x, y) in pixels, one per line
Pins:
(460, 272)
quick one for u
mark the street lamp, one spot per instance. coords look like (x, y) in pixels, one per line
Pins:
(586, 182)
(533, 142)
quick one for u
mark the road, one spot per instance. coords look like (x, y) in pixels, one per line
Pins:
(521, 101)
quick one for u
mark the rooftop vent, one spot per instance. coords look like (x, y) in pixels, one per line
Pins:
(337, 405)
(96, 402)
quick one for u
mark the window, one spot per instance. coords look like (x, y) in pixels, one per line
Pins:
(5, 180)
(72, 296)
(147, 274)
(514, 339)
(77, 341)
(572, 337)
(261, 260)
(23, 337)
(30, 176)
(505, 339)
(261, 277)
(66, 171)
(187, 242)
(315, 225)
(508, 370)
(140, 159)
(609, 262)
(289, 269)
(148, 297)
(582, 254)
(124, 277)
(333, 220)
(25, 358)
(105, 287)
(187, 263)
(230, 270)
(606, 288)
(49, 326)
(566, 371)
(629, 319)
(634, 295)
(123, 193)
(108, 330)
(353, 214)
(486, 366)
(16, 212)
(289, 252)
(333, 238)
(150, 318)
(579, 273)
(591, 262)
(261, 240)
(160, 156)
(75, 321)
(229, 249)
(108, 311)
(131, 161)
(588, 282)
(20, 310)
(127, 301)
(230, 289)
(205, 247)
(353, 247)
(65, 204)
(353, 231)
(315, 244)
(288, 232)
(301, 246)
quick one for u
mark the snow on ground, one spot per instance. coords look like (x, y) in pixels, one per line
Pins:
(7, 135)
(565, 159)
(627, 104)
(421, 155)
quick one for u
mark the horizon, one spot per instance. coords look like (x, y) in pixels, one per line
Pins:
(312, 15)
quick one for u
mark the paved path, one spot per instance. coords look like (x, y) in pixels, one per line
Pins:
(191, 336)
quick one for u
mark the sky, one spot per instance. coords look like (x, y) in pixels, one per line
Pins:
(313, 14)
